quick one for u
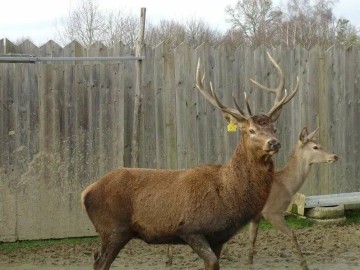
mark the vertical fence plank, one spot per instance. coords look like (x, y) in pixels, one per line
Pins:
(335, 67)
(8, 200)
(160, 113)
(350, 123)
(118, 111)
(147, 154)
(323, 93)
(170, 108)
(356, 131)
(185, 106)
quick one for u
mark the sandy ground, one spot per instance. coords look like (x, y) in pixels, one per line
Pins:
(325, 247)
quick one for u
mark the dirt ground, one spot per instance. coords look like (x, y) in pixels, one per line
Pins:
(325, 247)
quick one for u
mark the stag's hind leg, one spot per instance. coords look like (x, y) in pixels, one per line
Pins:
(202, 248)
(110, 248)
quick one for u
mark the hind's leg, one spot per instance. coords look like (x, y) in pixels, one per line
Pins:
(111, 247)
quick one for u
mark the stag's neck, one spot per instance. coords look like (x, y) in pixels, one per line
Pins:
(294, 173)
(244, 158)
(247, 180)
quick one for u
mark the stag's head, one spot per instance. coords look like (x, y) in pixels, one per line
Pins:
(257, 131)
(312, 152)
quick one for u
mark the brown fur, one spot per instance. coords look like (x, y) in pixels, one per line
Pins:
(203, 206)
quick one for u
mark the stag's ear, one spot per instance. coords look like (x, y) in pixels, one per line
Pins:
(238, 121)
(303, 135)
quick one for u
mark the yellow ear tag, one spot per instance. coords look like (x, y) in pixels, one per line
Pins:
(231, 127)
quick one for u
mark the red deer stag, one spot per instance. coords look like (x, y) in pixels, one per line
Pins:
(286, 183)
(203, 206)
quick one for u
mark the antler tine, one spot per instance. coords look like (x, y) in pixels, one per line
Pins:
(277, 105)
(296, 88)
(237, 106)
(277, 91)
(279, 100)
(213, 99)
(285, 99)
(247, 104)
(200, 86)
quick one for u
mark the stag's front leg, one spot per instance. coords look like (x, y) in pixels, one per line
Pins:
(253, 231)
(202, 248)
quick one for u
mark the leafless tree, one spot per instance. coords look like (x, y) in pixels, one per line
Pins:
(254, 22)
(257, 19)
(169, 31)
(197, 32)
(234, 38)
(308, 23)
(194, 31)
(86, 24)
(121, 26)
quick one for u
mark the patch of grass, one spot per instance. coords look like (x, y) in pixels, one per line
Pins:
(292, 220)
(44, 243)
(298, 222)
(353, 216)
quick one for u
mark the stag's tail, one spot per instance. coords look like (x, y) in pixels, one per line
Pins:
(85, 197)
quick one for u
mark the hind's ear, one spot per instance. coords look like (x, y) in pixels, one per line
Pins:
(303, 135)
(312, 134)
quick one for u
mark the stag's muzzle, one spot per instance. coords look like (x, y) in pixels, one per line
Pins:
(274, 145)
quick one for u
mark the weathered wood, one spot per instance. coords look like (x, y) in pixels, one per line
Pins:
(147, 155)
(350, 199)
(182, 104)
(138, 96)
(170, 108)
(160, 111)
(62, 125)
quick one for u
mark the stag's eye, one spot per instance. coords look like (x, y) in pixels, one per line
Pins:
(252, 131)
(316, 147)
(275, 130)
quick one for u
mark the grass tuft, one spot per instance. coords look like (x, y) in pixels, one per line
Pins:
(293, 221)
(352, 216)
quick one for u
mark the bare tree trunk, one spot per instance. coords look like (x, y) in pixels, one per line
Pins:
(138, 96)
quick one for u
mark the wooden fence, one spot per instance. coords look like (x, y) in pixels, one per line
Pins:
(63, 125)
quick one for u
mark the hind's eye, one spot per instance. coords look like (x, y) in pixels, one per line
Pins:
(275, 130)
(316, 148)
(252, 131)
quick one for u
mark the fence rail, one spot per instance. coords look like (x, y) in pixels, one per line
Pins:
(64, 124)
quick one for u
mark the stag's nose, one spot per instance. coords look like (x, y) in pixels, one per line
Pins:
(336, 157)
(274, 145)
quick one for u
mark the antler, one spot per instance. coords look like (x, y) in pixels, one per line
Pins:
(246, 104)
(214, 100)
(279, 101)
